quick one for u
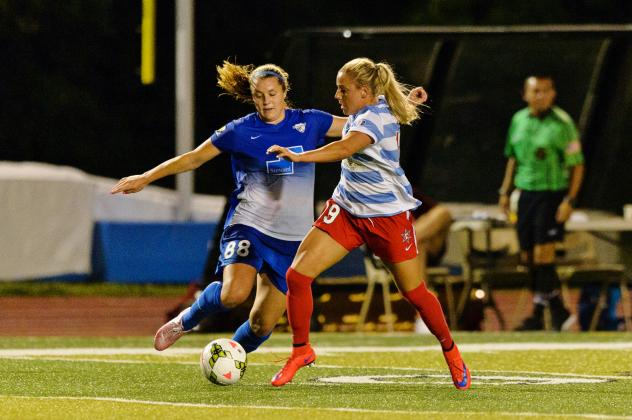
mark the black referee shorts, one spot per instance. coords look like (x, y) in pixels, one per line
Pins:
(536, 218)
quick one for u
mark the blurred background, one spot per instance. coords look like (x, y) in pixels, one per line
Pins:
(71, 91)
(71, 95)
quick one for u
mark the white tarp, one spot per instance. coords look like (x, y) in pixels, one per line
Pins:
(47, 214)
(45, 221)
(153, 204)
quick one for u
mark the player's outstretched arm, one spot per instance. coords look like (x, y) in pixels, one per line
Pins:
(332, 152)
(182, 163)
(337, 125)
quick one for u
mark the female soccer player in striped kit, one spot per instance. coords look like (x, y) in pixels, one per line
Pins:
(371, 205)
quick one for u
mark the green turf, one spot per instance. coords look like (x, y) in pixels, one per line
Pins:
(152, 384)
(53, 288)
(340, 339)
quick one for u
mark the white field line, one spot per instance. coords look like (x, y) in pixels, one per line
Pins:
(334, 409)
(481, 374)
(547, 379)
(324, 350)
(497, 380)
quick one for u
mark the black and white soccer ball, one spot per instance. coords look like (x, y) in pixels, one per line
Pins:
(223, 361)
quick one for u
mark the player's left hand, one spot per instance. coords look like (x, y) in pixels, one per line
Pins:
(563, 212)
(418, 95)
(284, 153)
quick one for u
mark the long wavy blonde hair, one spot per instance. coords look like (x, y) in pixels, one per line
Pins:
(381, 80)
(238, 80)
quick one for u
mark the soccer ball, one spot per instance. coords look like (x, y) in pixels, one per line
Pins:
(223, 361)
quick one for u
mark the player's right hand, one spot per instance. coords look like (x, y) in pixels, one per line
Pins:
(130, 184)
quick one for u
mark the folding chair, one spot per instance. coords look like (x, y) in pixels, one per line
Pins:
(376, 273)
(491, 262)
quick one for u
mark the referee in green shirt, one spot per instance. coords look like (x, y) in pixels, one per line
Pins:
(545, 163)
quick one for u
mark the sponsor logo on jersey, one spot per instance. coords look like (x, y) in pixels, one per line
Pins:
(282, 166)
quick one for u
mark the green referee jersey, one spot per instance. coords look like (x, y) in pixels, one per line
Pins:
(545, 148)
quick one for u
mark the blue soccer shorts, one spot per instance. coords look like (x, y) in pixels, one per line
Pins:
(268, 255)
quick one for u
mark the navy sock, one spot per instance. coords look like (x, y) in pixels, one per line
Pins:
(546, 279)
(247, 338)
(208, 303)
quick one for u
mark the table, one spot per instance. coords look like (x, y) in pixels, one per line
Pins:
(488, 219)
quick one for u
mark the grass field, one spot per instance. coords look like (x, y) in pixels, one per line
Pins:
(367, 376)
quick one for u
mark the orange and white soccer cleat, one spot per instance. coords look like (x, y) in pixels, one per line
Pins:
(301, 357)
(460, 373)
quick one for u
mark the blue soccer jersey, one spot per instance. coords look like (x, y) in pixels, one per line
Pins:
(372, 184)
(273, 195)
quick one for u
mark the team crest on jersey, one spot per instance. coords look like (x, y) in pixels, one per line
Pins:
(300, 127)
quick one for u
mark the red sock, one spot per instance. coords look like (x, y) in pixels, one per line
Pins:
(431, 313)
(300, 305)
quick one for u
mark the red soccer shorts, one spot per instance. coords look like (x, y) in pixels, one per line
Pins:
(392, 238)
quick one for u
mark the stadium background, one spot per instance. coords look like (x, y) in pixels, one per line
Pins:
(71, 91)
(70, 94)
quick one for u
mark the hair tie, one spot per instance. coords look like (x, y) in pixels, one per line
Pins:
(267, 73)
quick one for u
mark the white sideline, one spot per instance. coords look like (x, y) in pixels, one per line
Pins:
(548, 376)
(323, 350)
(334, 409)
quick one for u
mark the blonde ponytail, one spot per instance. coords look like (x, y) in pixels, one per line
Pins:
(396, 95)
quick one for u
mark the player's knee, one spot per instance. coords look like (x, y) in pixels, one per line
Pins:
(260, 327)
(232, 298)
(420, 291)
(297, 280)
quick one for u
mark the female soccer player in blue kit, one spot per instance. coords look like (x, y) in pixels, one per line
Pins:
(371, 205)
(271, 207)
